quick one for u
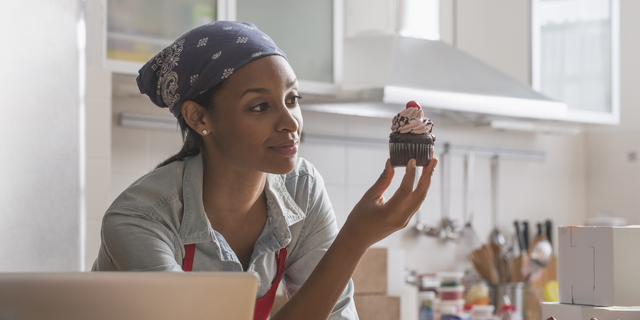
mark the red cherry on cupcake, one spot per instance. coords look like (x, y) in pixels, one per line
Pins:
(413, 104)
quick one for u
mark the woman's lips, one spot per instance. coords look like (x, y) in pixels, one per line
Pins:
(287, 148)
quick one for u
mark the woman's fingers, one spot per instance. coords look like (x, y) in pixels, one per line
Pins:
(382, 183)
(406, 186)
(420, 193)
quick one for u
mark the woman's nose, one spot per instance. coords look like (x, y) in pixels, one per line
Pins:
(288, 118)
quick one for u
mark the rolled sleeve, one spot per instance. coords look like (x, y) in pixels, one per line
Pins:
(132, 241)
(317, 235)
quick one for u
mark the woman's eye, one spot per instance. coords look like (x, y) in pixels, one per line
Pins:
(295, 100)
(259, 108)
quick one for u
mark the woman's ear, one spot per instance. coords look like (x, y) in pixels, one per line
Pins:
(194, 116)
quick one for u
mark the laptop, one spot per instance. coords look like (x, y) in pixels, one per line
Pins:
(127, 295)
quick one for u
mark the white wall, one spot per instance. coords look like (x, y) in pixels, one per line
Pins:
(98, 128)
(42, 154)
(613, 179)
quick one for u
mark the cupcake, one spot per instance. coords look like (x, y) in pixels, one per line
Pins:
(411, 137)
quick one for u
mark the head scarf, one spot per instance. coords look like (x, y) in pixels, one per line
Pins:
(201, 59)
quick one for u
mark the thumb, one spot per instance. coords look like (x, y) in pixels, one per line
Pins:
(382, 183)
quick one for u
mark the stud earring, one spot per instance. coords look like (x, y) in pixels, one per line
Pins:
(204, 131)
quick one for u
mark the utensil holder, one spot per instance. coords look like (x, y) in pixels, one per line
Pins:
(517, 293)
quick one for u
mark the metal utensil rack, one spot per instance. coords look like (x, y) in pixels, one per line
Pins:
(452, 148)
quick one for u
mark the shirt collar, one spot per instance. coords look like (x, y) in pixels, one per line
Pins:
(283, 211)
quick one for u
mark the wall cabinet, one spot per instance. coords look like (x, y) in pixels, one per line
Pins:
(310, 32)
(551, 45)
(575, 57)
(138, 29)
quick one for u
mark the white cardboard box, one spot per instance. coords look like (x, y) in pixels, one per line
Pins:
(577, 312)
(599, 266)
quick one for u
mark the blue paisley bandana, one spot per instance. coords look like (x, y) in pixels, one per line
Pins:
(200, 59)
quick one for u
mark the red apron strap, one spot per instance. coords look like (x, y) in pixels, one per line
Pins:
(264, 305)
(187, 263)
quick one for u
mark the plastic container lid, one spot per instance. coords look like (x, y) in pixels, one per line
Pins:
(451, 289)
(429, 281)
(427, 295)
(448, 310)
(482, 310)
(456, 302)
(451, 275)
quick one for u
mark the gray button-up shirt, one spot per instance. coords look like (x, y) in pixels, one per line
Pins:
(147, 226)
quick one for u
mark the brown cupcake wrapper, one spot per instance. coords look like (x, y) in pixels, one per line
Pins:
(401, 153)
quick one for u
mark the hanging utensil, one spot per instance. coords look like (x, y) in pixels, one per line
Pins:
(521, 260)
(496, 236)
(468, 240)
(525, 233)
(540, 256)
(467, 233)
(539, 237)
(549, 227)
(447, 225)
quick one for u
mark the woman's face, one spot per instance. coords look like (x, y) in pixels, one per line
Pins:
(256, 120)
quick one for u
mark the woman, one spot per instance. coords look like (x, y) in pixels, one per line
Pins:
(237, 197)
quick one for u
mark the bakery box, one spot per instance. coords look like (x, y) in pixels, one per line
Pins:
(599, 266)
(577, 312)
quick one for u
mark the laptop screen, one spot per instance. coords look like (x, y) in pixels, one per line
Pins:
(128, 295)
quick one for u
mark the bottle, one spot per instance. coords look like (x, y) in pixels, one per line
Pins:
(426, 304)
(449, 312)
(506, 311)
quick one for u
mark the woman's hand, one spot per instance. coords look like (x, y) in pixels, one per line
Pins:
(373, 218)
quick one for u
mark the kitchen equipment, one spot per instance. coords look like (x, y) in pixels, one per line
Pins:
(504, 267)
(549, 228)
(450, 279)
(538, 259)
(482, 312)
(447, 225)
(496, 236)
(539, 237)
(483, 260)
(525, 233)
(551, 271)
(468, 239)
(447, 228)
(521, 260)
(513, 294)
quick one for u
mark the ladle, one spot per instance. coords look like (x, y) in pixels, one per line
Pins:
(496, 236)
(539, 258)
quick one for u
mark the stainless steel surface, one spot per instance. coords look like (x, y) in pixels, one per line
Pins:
(42, 184)
(468, 239)
(469, 163)
(496, 236)
(436, 75)
(540, 256)
(445, 181)
(515, 293)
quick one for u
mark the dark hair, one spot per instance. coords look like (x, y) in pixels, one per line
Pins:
(193, 143)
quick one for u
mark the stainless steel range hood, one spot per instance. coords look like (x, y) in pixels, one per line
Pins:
(381, 73)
